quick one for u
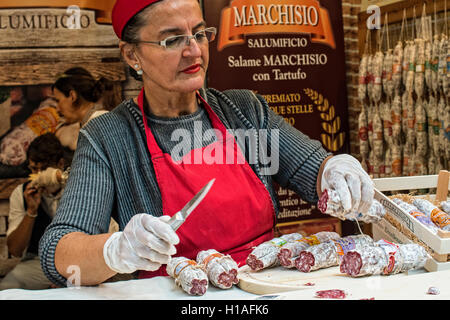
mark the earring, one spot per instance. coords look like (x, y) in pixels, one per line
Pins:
(139, 71)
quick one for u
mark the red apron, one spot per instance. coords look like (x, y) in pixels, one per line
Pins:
(237, 213)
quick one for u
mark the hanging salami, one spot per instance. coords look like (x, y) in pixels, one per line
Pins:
(387, 75)
(188, 275)
(435, 64)
(363, 128)
(221, 270)
(419, 76)
(443, 55)
(397, 66)
(396, 118)
(363, 78)
(420, 128)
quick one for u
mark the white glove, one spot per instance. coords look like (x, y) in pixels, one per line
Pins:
(146, 243)
(345, 175)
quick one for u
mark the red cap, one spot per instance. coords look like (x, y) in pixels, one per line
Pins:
(124, 10)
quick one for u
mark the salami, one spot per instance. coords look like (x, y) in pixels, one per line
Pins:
(289, 252)
(222, 271)
(363, 78)
(387, 80)
(415, 212)
(329, 253)
(446, 206)
(377, 76)
(439, 217)
(443, 55)
(266, 254)
(396, 119)
(397, 66)
(420, 127)
(363, 132)
(383, 258)
(329, 203)
(419, 76)
(435, 64)
(188, 275)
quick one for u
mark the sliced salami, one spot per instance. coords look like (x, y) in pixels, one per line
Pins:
(188, 275)
(266, 254)
(383, 258)
(330, 253)
(289, 252)
(221, 269)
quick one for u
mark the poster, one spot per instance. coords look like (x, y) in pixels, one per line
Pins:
(292, 53)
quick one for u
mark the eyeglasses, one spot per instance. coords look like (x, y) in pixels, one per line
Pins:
(177, 42)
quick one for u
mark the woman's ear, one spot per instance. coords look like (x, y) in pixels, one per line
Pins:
(73, 96)
(128, 51)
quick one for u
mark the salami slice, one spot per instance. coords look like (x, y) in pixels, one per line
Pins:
(221, 270)
(188, 275)
(331, 294)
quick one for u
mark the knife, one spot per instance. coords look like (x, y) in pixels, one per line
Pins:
(178, 218)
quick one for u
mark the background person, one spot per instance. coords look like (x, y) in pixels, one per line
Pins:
(32, 207)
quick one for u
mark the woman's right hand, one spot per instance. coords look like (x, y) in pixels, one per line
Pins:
(146, 243)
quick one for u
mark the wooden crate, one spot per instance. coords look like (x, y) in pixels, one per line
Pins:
(398, 226)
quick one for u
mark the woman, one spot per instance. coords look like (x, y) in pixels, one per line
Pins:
(79, 98)
(123, 165)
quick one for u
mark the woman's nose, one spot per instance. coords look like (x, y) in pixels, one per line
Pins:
(192, 49)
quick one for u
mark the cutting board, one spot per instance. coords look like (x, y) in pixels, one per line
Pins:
(280, 279)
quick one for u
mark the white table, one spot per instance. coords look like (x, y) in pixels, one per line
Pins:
(400, 287)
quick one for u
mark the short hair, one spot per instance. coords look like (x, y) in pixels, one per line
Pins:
(46, 149)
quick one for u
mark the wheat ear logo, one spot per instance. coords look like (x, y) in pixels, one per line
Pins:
(332, 139)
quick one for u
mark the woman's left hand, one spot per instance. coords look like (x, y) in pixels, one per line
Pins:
(345, 175)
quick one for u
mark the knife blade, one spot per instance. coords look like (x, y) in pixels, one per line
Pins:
(178, 218)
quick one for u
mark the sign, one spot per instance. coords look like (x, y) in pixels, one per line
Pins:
(103, 8)
(63, 27)
(291, 53)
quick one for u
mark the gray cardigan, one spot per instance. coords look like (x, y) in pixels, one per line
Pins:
(112, 173)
